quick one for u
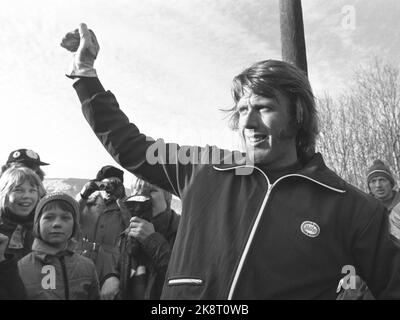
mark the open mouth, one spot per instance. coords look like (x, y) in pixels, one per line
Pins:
(25, 204)
(256, 138)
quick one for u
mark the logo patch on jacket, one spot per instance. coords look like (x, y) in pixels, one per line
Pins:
(310, 229)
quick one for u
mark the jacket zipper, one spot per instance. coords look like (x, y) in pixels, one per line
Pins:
(65, 277)
(257, 221)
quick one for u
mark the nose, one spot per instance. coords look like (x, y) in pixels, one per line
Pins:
(27, 194)
(250, 120)
(57, 223)
(377, 184)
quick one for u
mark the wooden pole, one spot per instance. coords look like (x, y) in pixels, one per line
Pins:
(292, 33)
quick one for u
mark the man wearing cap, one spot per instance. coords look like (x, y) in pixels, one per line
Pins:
(101, 225)
(27, 158)
(381, 185)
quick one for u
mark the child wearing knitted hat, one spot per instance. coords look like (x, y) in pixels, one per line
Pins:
(53, 271)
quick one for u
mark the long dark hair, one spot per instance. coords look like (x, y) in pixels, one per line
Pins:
(266, 78)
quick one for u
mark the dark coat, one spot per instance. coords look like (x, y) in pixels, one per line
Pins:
(154, 254)
(11, 285)
(99, 239)
(242, 237)
(19, 233)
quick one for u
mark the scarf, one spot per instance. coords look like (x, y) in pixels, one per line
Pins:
(22, 224)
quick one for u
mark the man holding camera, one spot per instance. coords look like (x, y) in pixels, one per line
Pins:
(101, 223)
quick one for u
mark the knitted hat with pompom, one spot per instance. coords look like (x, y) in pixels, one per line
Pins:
(379, 169)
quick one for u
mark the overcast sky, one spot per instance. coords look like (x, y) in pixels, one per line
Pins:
(170, 64)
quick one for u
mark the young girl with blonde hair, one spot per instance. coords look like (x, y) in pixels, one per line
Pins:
(20, 191)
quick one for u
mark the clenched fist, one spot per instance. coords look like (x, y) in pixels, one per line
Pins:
(83, 43)
(88, 189)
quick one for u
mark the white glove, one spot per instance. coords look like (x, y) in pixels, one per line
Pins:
(83, 43)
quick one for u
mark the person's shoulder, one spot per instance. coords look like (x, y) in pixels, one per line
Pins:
(29, 269)
(349, 190)
(354, 199)
(83, 262)
(396, 199)
(359, 195)
(27, 259)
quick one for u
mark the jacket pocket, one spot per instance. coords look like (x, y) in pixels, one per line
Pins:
(185, 281)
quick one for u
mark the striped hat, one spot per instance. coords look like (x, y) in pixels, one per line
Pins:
(379, 169)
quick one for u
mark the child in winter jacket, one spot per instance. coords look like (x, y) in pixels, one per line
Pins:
(20, 192)
(53, 271)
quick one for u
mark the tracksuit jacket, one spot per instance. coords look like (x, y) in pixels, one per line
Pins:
(243, 237)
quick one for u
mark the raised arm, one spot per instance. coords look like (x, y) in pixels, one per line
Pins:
(156, 161)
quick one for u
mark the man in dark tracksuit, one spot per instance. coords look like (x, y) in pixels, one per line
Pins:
(274, 223)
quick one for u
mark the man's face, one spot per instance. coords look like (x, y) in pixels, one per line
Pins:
(381, 188)
(158, 201)
(56, 226)
(22, 199)
(264, 126)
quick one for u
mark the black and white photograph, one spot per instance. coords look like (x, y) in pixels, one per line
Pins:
(200, 151)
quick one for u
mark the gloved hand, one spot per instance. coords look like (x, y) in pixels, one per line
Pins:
(3, 246)
(88, 189)
(83, 43)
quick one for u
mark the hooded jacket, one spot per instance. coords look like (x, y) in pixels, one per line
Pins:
(243, 237)
(50, 274)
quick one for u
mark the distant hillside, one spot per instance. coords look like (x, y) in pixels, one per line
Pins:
(73, 186)
(70, 186)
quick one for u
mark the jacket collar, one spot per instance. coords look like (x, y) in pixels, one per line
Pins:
(44, 251)
(111, 207)
(314, 168)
